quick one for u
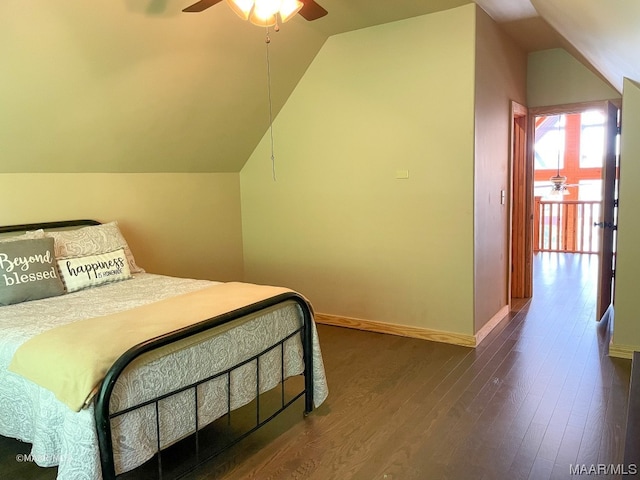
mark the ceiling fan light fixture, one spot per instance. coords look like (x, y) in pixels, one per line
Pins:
(289, 8)
(558, 180)
(264, 10)
(263, 13)
(242, 8)
(261, 20)
(556, 193)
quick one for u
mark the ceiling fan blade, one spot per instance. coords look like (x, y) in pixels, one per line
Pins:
(311, 10)
(201, 5)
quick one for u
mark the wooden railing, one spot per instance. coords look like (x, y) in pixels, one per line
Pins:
(566, 226)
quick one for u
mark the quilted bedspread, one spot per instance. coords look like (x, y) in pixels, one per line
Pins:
(68, 439)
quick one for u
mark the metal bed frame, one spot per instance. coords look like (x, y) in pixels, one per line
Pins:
(103, 416)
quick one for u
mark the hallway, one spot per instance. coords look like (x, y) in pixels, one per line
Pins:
(578, 392)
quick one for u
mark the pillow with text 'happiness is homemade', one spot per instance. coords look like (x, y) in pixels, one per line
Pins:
(93, 270)
(28, 271)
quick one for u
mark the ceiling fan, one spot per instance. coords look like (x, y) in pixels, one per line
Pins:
(558, 185)
(310, 10)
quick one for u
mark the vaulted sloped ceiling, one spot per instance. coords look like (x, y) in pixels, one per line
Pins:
(606, 33)
(602, 35)
(139, 86)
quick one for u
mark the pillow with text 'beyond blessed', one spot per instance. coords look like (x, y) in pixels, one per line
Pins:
(28, 271)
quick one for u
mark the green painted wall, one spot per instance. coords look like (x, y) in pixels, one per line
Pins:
(554, 77)
(337, 224)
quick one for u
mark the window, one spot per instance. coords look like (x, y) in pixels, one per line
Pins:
(549, 146)
(590, 190)
(591, 139)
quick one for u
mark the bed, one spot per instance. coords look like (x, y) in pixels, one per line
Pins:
(158, 391)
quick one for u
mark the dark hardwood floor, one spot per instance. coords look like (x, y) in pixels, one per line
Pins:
(538, 399)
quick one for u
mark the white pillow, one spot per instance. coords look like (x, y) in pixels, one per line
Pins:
(93, 270)
(92, 240)
(25, 236)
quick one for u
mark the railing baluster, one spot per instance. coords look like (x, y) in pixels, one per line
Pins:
(562, 216)
(566, 214)
(578, 221)
(588, 228)
(557, 226)
(570, 227)
(550, 228)
(545, 226)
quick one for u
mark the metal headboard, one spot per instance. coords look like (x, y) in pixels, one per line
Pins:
(47, 225)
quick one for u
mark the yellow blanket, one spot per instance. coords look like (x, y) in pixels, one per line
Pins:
(71, 360)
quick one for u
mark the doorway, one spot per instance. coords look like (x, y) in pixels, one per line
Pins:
(564, 190)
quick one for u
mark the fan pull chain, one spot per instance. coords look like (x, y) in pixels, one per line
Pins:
(273, 158)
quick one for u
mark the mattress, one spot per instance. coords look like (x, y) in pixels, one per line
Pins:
(68, 439)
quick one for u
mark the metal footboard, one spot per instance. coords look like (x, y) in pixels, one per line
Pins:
(103, 416)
